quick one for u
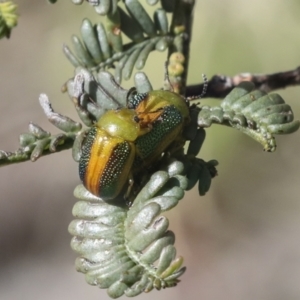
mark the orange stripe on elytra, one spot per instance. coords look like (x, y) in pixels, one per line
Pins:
(99, 156)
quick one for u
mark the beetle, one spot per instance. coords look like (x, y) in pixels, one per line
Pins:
(125, 140)
(108, 153)
(164, 128)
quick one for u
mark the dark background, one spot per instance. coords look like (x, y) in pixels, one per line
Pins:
(241, 241)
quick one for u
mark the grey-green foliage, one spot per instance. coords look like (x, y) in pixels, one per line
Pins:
(130, 251)
(255, 113)
(38, 142)
(95, 95)
(102, 45)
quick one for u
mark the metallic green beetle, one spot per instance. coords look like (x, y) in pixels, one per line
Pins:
(126, 140)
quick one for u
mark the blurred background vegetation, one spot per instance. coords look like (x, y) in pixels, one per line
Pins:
(240, 241)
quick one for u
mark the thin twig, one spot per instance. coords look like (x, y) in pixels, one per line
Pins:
(9, 158)
(220, 85)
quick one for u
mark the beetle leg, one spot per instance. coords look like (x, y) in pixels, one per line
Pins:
(78, 142)
(129, 188)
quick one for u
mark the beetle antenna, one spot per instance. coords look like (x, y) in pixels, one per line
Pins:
(204, 90)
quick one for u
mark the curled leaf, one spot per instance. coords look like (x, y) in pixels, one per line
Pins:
(255, 113)
(128, 251)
